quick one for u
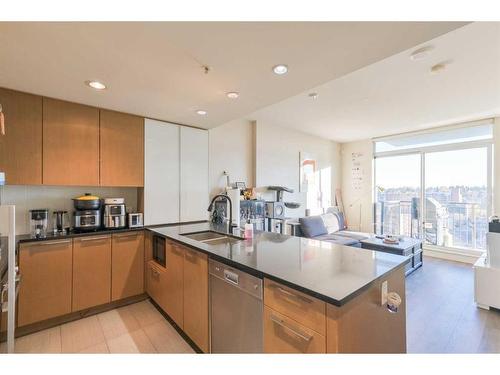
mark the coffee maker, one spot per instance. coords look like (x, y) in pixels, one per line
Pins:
(115, 215)
(38, 222)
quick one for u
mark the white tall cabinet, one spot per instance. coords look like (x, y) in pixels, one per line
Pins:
(193, 174)
(161, 172)
(175, 173)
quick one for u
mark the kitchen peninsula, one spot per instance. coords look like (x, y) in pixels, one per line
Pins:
(318, 297)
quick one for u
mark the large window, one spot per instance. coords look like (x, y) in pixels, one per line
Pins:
(436, 187)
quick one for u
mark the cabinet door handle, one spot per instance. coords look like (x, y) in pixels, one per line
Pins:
(85, 239)
(125, 235)
(290, 294)
(304, 336)
(176, 250)
(190, 256)
(46, 243)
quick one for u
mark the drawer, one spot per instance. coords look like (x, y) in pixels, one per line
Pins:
(155, 283)
(284, 335)
(301, 307)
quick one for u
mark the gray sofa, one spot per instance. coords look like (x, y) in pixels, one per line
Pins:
(330, 227)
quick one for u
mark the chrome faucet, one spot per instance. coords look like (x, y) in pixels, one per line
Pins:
(211, 206)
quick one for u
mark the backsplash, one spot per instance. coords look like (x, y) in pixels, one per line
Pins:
(54, 198)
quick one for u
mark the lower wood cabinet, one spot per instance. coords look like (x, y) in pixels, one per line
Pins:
(91, 271)
(155, 283)
(46, 270)
(174, 284)
(196, 297)
(285, 335)
(127, 269)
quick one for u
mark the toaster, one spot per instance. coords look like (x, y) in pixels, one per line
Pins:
(135, 220)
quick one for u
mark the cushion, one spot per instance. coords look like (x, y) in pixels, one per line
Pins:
(312, 226)
(331, 222)
(341, 218)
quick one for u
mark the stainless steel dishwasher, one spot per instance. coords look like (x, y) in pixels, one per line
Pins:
(235, 310)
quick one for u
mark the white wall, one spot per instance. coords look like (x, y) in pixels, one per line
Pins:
(231, 150)
(496, 165)
(277, 159)
(357, 200)
(55, 198)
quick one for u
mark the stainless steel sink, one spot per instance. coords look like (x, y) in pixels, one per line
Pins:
(212, 238)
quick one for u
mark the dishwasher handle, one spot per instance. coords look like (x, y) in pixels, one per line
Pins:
(231, 277)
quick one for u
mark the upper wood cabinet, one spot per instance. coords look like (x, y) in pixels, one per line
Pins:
(122, 149)
(21, 147)
(70, 144)
(46, 270)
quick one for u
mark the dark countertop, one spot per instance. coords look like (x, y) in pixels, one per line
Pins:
(331, 272)
(21, 238)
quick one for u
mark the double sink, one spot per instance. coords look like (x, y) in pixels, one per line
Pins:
(212, 238)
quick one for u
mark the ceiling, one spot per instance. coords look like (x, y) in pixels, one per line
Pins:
(155, 69)
(397, 94)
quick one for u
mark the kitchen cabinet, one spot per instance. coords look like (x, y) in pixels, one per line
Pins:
(299, 306)
(46, 269)
(285, 335)
(156, 283)
(174, 288)
(70, 144)
(121, 149)
(196, 297)
(21, 146)
(127, 265)
(364, 325)
(91, 271)
(161, 172)
(193, 174)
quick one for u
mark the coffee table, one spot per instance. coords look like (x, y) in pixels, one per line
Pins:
(407, 246)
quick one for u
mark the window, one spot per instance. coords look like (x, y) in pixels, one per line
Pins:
(436, 186)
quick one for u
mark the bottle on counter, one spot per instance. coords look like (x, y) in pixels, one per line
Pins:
(248, 230)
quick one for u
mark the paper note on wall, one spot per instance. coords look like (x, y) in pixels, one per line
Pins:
(357, 173)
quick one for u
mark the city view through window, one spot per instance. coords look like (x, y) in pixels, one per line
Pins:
(455, 197)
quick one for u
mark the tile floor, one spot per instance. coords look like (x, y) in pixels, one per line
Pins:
(137, 328)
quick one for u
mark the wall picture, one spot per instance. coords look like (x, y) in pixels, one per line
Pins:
(308, 165)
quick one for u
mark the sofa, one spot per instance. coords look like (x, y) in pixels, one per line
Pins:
(330, 227)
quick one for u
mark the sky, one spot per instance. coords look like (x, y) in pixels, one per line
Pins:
(446, 168)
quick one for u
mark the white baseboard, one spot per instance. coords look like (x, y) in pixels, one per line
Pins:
(448, 255)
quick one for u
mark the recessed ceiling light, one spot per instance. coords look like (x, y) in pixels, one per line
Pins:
(438, 68)
(313, 95)
(201, 112)
(233, 95)
(280, 69)
(421, 53)
(96, 85)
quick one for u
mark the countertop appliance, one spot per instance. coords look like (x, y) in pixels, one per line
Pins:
(236, 310)
(135, 220)
(86, 220)
(61, 222)
(255, 211)
(87, 214)
(38, 222)
(115, 215)
(487, 270)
